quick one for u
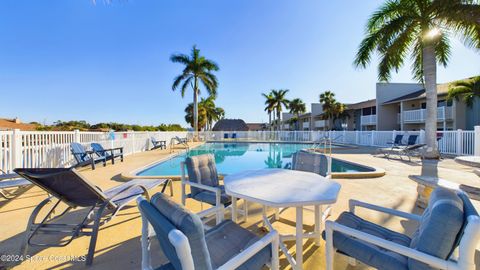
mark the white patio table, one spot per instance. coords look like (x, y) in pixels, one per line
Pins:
(280, 188)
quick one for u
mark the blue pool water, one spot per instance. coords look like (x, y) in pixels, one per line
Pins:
(236, 157)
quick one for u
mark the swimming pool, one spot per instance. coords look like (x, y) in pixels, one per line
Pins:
(236, 157)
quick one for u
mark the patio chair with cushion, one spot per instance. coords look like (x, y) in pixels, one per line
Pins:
(73, 190)
(449, 222)
(204, 183)
(109, 154)
(158, 144)
(310, 161)
(84, 157)
(188, 246)
(11, 183)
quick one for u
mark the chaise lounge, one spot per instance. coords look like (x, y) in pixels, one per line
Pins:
(74, 191)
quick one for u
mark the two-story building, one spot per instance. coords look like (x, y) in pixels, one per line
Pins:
(402, 106)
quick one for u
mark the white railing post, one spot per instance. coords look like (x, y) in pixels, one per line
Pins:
(357, 137)
(477, 141)
(372, 139)
(76, 136)
(16, 149)
(459, 139)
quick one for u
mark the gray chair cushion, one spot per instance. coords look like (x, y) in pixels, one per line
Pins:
(310, 162)
(368, 253)
(210, 197)
(439, 228)
(227, 239)
(162, 227)
(189, 224)
(201, 169)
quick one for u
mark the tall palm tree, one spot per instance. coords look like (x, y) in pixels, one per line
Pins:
(329, 106)
(421, 28)
(297, 107)
(269, 108)
(197, 70)
(466, 89)
(279, 102)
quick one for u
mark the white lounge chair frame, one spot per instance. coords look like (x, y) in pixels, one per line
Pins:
(466, 249)
(180, 242)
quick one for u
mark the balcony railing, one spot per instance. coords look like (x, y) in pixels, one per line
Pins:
(419, 116)
(306, 125)
(320, 123)
(366, 120)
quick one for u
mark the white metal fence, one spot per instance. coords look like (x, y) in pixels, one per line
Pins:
(52, 149)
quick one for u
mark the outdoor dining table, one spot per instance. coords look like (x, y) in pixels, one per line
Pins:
(281, 188)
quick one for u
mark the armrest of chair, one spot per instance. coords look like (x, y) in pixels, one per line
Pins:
(353, 203)
(202, 186)
(242, 257)
(331, 226)
(211, 211)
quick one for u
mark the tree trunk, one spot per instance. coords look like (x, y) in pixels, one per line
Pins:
(195, 107)
(430, 78)
(270, 120)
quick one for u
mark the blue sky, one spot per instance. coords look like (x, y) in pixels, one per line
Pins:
(72, 60)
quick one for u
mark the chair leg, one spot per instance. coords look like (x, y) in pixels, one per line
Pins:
(94, 235)
(245, 210)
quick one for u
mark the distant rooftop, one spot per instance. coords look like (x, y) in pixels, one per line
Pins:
(15, 123)
(230, 125)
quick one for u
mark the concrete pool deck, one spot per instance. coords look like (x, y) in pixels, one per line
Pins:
(118, 245)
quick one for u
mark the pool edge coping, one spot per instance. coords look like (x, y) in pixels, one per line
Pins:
(377, 172)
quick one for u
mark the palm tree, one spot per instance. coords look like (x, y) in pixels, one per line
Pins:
(279, 102)
(189, 116)
(466, 89)
(422, 29)
(329, 106)
(197, 69)
(212, 112)
(297, 107)
(269, 106)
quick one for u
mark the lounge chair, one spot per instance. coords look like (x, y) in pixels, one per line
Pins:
(234, 135)
(408, 151)
(9, 181)
(84, 157)
(187, 246)
(109, 154)
(225, 135)
(204, 184)
(73, 190)
(158, 144)
(179, 141)
(449, 222)
(397, 141)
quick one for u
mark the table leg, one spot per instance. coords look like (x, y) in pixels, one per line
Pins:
(299, 240)
(318, 224)
(234, 209)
